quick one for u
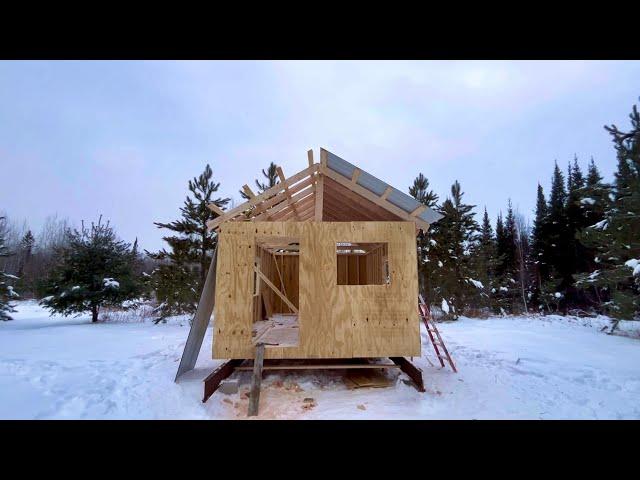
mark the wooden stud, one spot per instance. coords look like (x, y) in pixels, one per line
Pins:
(248, 191)
(355, 175)
(276, 290)
(386, 193)
(216, 209)
(319, 203)
(310, 157)
(256, 381)
(286, 189)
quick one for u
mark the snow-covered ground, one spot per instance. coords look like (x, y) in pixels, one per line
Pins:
(515, 367)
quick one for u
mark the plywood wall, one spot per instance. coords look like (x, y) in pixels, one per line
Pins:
(336, 321)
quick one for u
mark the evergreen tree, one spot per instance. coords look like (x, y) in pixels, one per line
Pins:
(7, 292)
(271, 176)
(485, 262)
(420, 191)
(539, 248)
(455, 239)
(575, 220)
(180, 277)
(25, 252)
(94, 269)
(616, 238)
(506, 290)
(558, 234)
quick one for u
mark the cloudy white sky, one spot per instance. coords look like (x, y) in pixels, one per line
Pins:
(123, 138)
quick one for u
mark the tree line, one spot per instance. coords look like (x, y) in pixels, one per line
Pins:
(582, 252)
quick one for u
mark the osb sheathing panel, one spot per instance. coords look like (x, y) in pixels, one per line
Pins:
(336, 321)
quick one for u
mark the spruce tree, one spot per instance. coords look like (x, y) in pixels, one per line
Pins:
(558, 234)
(7, 293)
(616, 238)
(506, 289)
(180, 277)
(271, 176)
(485, 262)
(420, 191)
(539, 248)
(575, 221)
(94, 269)
(455, 240)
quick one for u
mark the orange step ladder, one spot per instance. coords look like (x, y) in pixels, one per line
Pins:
(434, 334)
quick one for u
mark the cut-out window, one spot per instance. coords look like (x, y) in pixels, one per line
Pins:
(362, 263)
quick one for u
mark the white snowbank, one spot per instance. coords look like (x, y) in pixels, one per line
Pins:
(509, 368)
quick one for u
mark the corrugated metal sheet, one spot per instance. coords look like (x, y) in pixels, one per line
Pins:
(377, 187)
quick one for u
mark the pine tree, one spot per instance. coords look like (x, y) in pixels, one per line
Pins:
(271, 176)
(94, 270)
(7, 292)
(179, 279)
(616, 238)
(420, 191)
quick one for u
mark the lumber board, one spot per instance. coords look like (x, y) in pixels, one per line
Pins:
(256, 381)
(275, 289)
(327, 366)
(201, 320)
(319, 200)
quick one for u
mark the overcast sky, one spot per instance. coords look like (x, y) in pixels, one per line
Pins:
(123, 138)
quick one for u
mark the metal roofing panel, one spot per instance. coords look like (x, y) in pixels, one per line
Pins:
(339, 165)
(377, 186)
(372, 183)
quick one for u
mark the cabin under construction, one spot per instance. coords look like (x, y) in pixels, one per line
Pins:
(321, 266)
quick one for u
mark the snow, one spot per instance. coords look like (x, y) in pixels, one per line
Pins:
(110, 283)
(635, 265)
(587, 201)
(444, 306)
(557, 295)
(476, 283)
(509, 368)
(440, 264)
(602, 225)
